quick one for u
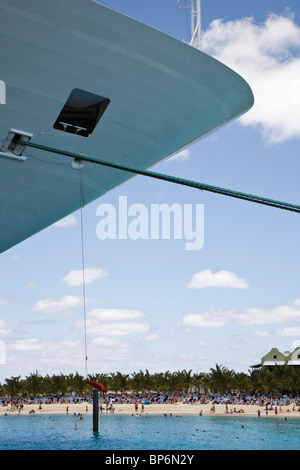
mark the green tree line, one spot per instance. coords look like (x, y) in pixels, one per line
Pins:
(275, 381)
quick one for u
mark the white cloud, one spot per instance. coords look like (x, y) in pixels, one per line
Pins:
(117, 328)
(75, 278)
(44, 355)
(4, 329)
(105, 341)
(114, 314)
(63, 305)
(114, 323)
(246, 317)
(207, 278)
(181, 156)
(262, 334)
(288, 331)
(153, 337)
(203, 320)
(68, 221)
(267, 56)
(27, 345)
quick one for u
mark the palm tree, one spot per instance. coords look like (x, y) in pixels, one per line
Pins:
(122, 381)
(138, 381)
(293, 380)
(277, 380)
(220, 378)
(186, 379)
(167, 381)
(205, 380)
(13, 386)
(254, 380)
(76, 383)
(158, 381)
(240, 381)
(266, 382)
(58, 384)
(175, 381)
(281, 377)
(198, 380)
(34, 384)
(147, 385)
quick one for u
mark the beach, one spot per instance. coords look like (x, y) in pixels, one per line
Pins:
(208, 409)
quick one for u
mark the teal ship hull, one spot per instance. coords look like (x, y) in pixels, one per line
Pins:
(82, 77)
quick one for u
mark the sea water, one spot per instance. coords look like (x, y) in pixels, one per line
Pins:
(148, 432)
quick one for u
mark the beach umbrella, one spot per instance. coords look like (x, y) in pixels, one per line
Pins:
(97, 386)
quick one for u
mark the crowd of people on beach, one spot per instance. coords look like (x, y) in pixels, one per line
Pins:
(108, 401)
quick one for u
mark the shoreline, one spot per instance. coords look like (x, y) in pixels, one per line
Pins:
(154, 409)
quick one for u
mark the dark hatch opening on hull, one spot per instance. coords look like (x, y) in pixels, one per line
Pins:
(81, 113)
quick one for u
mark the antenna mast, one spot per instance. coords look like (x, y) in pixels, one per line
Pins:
(196, 30)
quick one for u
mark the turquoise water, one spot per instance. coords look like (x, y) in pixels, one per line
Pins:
(116, 432)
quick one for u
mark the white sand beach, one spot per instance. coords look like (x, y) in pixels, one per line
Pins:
(157, 409)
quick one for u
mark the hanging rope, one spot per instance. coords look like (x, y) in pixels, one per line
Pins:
(171, 179)
(83, 262)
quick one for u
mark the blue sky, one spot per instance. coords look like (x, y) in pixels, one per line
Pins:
(143, 311)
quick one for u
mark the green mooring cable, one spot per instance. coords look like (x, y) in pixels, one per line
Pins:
(171, 179)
